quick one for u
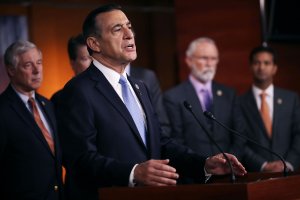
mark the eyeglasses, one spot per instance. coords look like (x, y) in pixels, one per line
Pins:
(205, 58)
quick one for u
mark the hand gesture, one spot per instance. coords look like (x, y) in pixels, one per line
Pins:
(155, 173)
(218, 165)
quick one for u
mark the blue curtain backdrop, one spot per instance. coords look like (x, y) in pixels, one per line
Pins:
(12, 28)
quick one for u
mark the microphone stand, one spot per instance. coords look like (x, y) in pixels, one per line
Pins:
(189, 107)
(209, 115)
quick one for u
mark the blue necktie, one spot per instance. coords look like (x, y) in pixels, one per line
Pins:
(206, 100)
(133, 108)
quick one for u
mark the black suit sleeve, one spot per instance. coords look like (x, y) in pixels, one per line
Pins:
(293, 154)
(174, 111)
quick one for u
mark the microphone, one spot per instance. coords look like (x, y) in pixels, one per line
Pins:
(212, 117)
(207, 132)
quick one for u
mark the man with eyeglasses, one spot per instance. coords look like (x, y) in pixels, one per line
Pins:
(203, 94)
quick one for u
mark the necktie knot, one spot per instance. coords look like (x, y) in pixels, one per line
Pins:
(32, 104)
(263, 95)
(31, 101)
(122, 80)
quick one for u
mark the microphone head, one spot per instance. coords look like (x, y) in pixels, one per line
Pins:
(209, 115)
(187, 105)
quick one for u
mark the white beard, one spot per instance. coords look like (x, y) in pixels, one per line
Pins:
(204, 75)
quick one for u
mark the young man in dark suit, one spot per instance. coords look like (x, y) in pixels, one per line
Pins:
(105, 143)
(79, 59)
(272, 116)
(204, 94)
(30, 155)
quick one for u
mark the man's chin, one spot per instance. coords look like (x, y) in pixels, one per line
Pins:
(205, 79)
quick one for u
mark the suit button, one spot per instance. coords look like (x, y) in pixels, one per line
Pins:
(55, 188)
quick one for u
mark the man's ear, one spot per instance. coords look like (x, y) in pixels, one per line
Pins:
(11, 71)
(275, 69)
(93, 44)
(188, 61)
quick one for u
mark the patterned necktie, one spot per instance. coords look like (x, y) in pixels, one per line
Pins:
(206, 100)
(133, 108)
(40, 124)
(265, 114)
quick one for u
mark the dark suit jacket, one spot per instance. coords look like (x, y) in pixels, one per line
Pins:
(101, 142)
(56, 98)
(285, 132)
(152, 84)
(28, 169)
(187, 131)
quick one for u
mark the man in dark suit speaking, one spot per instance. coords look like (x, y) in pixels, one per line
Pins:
(30, 156)
(110, 134)
(272, 116)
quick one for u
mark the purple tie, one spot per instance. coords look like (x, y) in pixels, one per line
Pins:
(206, 100)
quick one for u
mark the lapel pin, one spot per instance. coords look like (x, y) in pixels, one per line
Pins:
(137, 88)
(279, 101)
(219, 93)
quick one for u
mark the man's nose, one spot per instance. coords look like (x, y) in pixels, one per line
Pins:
(128, 33)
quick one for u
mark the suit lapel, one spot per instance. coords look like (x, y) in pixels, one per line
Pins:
(278, 108)
(143, 98)
(253, 110)
(104, 87)
(50, 119)
(217, 105)
(21, 110)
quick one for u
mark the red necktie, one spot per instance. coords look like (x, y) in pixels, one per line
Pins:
(265, 114)
(40, 123)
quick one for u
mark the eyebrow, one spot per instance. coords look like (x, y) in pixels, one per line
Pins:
(121, 25)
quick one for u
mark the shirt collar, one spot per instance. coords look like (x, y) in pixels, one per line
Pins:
(112, 76)
(269, 91)
(128, 69)
(23, 97)
(200, 86)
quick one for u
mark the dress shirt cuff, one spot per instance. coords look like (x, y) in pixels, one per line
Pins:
(263, 166)
(207, 175)
(289, 166)
(131, 182)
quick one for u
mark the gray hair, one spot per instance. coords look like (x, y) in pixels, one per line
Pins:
(15, 49)
(192, 46)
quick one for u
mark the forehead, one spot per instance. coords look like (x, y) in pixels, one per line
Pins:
(206, 48)
(111, 18)
(29, 54)
(263, 56)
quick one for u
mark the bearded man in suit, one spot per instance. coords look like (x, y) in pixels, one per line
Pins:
(204, 94)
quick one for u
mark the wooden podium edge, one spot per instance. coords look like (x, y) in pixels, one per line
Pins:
(259, 186)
